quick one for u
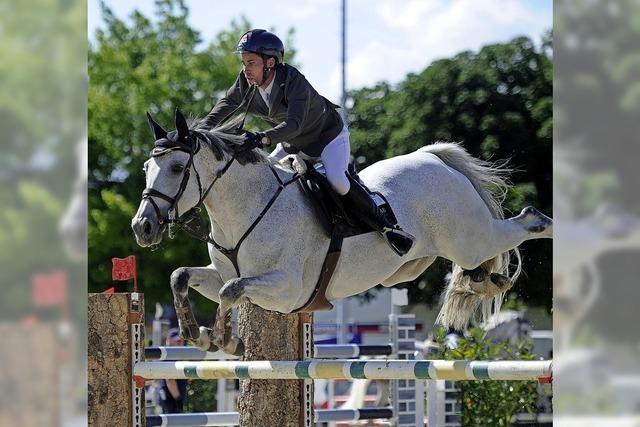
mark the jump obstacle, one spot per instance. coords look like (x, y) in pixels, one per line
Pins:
(408, 395)
(346, 369)
(407, 373)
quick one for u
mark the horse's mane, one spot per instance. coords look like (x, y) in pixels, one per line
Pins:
(223, 139)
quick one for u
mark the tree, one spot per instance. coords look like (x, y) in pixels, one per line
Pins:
(42, 117)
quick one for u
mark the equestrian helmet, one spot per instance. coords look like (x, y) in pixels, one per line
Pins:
(261, 42)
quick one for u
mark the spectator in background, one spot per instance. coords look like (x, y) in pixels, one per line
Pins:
(173, 392)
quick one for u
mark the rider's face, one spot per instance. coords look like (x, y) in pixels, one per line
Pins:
(252, 66)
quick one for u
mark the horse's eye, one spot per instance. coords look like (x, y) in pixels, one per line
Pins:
(177, 168)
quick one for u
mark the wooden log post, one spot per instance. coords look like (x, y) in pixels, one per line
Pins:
(269, 335)
(115, 342)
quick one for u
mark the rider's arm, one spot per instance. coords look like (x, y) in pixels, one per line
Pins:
(227, 104)
(299, 97)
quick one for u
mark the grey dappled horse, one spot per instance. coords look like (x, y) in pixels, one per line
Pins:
(439, 193)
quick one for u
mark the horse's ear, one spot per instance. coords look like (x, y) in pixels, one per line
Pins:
(181, 125)
(158, 132)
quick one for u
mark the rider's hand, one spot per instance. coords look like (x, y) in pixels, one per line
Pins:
(254, 139)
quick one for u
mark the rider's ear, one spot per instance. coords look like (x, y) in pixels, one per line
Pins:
(181, 125)
(271, 62)
(158, 132)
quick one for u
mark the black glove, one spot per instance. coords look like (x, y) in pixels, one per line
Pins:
(251, 140)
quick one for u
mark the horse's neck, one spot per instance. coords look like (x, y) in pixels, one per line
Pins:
(236, 200)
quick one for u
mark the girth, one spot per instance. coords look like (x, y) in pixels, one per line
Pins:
(318, 300)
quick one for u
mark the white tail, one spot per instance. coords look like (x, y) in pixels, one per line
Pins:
(489, 180)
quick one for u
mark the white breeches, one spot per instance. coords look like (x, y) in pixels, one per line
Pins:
(334, 157)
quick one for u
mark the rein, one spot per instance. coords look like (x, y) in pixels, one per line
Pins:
(191, 222)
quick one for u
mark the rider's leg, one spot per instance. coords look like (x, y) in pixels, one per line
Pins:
(335, 158)
(399, 240)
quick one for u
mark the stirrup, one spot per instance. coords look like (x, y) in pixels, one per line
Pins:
(399, 240)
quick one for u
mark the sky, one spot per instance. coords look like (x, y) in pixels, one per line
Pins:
(386, 39)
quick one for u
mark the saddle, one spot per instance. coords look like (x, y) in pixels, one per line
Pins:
(338, 222)
(336, 218)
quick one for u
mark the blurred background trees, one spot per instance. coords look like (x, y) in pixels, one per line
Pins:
(42, 119)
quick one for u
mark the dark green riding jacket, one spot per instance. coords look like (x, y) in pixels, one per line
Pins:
(302, 119)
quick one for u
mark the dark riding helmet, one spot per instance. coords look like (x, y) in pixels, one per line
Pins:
(261, 42)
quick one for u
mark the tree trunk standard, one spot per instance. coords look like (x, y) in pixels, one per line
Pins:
(109, 359)
(269, 335)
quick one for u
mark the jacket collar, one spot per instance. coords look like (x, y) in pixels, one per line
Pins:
(277, 92)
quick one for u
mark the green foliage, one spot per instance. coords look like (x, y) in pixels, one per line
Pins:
(201, 396)
(42, 116)
(490, 403)
(498, 103)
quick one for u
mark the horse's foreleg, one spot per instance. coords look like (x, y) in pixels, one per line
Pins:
(205, 280)
(270, 291)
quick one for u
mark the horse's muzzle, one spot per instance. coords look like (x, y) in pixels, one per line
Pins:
(148, 232)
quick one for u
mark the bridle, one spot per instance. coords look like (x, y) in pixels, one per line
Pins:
(190, 221)
(191, 147)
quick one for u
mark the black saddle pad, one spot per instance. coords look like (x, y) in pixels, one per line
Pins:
(335, 216)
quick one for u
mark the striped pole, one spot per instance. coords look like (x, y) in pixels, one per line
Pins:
(347, 369)
(321, 351)
(194, 420)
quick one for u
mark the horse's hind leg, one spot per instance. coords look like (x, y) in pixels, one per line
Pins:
(510, 233)
(535, 222)
(481, 275)
(205, 280)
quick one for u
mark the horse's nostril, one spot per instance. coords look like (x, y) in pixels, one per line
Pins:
(146, 229)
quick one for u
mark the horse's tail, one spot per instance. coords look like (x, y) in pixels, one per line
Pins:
(490, 181)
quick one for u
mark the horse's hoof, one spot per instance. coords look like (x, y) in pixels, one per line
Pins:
(536, 221)
(235, 347)
(213, 348)
(218, 341)
(478, 274)
(204, 340)
(502, 281)
(483, 288)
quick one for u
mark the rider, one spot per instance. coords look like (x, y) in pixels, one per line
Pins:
(308, 122)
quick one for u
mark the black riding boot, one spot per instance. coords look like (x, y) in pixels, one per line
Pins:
(399, 240)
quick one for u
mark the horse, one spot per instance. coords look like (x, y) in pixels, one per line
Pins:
(267, 244)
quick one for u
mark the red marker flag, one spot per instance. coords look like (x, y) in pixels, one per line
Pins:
(125, 269)
(49, 290)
